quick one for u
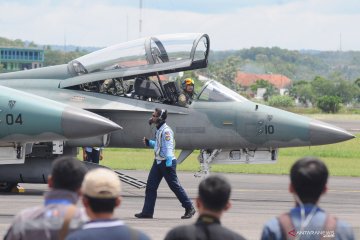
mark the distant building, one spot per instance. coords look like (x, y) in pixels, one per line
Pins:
(248, 79)
(245, 80)
(17, 58)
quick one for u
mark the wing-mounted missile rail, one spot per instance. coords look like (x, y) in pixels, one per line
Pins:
(235, 156)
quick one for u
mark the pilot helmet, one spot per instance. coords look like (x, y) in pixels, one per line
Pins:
(186, 82)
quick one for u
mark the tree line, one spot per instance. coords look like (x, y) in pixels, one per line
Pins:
(329, 80)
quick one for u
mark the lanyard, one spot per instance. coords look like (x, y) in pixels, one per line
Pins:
(304, 220)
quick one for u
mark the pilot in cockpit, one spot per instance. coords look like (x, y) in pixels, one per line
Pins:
(188, 94)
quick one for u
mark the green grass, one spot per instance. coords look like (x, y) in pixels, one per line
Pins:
(342, 159)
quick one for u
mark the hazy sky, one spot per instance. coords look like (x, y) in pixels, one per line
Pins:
(231, 24)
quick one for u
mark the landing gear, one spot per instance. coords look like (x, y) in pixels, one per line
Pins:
(205, 158)
(7, 187)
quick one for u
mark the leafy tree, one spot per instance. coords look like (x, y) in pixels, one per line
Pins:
(53, 58)
(329, 103)
(336, 76)
(261, 83)
(357, 82)
(357, 86)
(347, 91)
(281, 101)
(68, 56)
(11, 43)
(322, 87)
(1, 68)
(59, 57)
(303, 91)
(296, 65)
(18, 43)
(225, 72)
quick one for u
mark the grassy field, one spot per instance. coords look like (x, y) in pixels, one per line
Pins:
(342, 159)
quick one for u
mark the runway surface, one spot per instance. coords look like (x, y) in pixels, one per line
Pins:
(353, 126)
(255, 199)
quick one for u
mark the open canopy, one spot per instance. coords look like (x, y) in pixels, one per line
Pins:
(146, 56)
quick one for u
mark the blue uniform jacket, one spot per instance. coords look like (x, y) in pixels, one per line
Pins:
(164, 144)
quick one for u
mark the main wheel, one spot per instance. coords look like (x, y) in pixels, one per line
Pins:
(7, 186)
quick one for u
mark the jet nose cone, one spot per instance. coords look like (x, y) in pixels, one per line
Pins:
(324, 133)
(78, 123)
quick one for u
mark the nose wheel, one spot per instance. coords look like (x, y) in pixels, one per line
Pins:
(205, 158)
(7, 187)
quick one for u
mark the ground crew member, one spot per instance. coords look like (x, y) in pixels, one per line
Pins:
(308, 179)
(92, 154)
(59, 214)
(212, 202)
(164, 166)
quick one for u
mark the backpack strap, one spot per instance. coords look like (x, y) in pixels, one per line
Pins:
(286, 226)
(70, 211)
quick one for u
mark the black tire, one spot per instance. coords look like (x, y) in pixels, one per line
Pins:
(7, 186)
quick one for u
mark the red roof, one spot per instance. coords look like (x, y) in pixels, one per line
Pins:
(248, 79)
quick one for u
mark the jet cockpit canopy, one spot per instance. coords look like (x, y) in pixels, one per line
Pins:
(149, 56)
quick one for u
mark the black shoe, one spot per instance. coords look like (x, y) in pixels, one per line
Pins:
(141, 215)
(189, 212)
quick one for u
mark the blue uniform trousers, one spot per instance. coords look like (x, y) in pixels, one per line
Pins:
(93, 156)
(157, 172)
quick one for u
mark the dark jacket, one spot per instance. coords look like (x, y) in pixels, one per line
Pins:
(206, 227)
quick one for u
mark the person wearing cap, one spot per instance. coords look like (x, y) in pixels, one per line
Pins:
(186, 97)
(164, 166)
(101, 195)
(59, 214)
(308, 181)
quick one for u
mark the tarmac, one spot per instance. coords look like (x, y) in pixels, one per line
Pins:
(255, 199)
(350, 125)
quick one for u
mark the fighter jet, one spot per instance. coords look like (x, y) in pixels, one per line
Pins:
(125, 83)
(25, 117)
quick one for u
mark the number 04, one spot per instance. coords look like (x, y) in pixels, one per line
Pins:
(10, 119)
